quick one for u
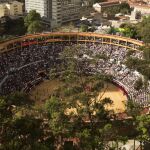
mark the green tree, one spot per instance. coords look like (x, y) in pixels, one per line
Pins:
(18, 99)
(125, 8)
(141, 65)
(143, 126)
(79, 103)
(112, 30)
(12, 27)
(133, 110)
(129, 30)
(33, 22)
(138, 84)
(59, 123)
(34, 27)
(146, 52)
(98, 1)
(32, 16)
(2, 29)
(143, 29)
(122, 8)
(71, 26)
(24, 132)
(5, 117)
(22, 129)
(84, 28)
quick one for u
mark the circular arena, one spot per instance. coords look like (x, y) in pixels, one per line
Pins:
(24, 59)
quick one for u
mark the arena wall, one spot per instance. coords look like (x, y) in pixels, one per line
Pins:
(68, 36)
(15, 64)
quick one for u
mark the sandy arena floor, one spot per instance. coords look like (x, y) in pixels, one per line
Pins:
(42, 92)
(117, 96)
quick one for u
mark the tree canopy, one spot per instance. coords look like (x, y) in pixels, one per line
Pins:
(33, 22)
(75, 110)
(143, 29)
(141, 65)
(81, 109)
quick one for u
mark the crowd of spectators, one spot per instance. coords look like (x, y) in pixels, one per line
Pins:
(115, 65)
(21, 67)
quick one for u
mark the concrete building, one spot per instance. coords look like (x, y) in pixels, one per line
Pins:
(43, 7)
(57, 11)
(144, 10)
(99, 7)
(13, 8)
(66, 10)
(140, 1)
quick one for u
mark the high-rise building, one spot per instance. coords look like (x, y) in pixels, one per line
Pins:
(57, 11)
(43, 7)
(66, 10)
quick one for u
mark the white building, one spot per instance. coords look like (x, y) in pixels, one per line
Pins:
(43, 7)
(57, 11)
(13, 8)
(99, 7)
(143, 10)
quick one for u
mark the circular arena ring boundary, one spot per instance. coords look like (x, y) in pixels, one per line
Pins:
(42, 40)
